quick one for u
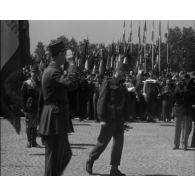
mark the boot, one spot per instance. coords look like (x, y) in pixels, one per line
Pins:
(28, 133)
(33, 138)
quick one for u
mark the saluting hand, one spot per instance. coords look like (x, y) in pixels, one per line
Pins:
(103, 123)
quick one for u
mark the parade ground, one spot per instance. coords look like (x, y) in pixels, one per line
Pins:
(147, 152)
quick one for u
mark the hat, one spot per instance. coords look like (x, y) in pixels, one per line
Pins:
(34, 68)
(56, 47)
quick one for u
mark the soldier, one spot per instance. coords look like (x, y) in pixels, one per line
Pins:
(29, 98)
(55, 119)
(110, 109)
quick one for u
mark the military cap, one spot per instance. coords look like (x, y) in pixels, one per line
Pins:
(56, 47)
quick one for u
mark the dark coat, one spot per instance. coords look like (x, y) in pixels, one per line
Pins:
(29, 96)
(178, 98)
(55, 114)
(111, 102)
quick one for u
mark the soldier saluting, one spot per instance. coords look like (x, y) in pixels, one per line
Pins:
(111, 110)
(55, 116)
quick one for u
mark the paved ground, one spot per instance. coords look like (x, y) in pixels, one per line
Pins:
(147, 151)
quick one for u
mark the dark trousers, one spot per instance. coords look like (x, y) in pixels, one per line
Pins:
(115, 130)
(193, 139)
(95, 100)
(57, 154)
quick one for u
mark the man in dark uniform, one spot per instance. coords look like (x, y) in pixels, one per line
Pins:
(29, 99)
(110, 109)
(54, 121)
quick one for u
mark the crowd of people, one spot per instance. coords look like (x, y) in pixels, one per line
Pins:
(151, 98)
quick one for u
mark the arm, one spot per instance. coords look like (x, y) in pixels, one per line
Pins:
(101, 111)
(70, 80)
(23, 96)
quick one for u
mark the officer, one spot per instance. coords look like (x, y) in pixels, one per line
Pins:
(29, 99)
(55, 119)
(110, 109)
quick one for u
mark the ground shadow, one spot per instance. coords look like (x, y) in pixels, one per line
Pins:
(188, 150)
(38, 154)
(75, 147)
(77, 124)
(166, 125)
(159, 175)
(191, 149)
(82, 144)
(99, 174)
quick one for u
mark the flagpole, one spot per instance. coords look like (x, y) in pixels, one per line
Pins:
(139, 42)
(159, 45)
(153, 46)
(131, 38)
(168, 44)
(145, 46)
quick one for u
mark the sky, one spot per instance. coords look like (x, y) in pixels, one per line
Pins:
(97, 31)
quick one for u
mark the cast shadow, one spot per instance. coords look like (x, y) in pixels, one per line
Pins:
(82, 144)
(159, 175)
(99, 174)
(77, 124)
(38, 154)
(75, 147)
(166, 125)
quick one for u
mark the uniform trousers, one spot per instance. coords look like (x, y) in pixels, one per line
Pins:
(179, 123)
(57, 154)
(113, 130)
(187, 129)
(182, 124)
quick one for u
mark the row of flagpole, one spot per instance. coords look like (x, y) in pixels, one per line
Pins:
(144, 42)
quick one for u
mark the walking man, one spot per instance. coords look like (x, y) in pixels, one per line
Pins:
(110, 109)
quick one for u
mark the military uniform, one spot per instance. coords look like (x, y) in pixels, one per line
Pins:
(111, 109)
(29, 98)
(55, 117)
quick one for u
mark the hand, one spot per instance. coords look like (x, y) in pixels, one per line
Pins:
(103, 124)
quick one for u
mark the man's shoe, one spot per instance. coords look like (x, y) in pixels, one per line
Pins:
(89, 167)
(185, 148)
(175, 148)
(35, 145)
(116, 172)
(28, 145)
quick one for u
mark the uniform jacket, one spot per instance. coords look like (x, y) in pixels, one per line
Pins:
(55, 113)
(29, 96)
(111, 102)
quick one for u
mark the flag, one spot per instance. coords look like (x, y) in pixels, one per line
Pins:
(167, 33)
(124, 32)
(160, 30)
(101, 67)
(144, 34)
(130, 36)
(159, 47)
(15, 53)
(86, 64)
(139, 36)
(94, 69)
(153, 32)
